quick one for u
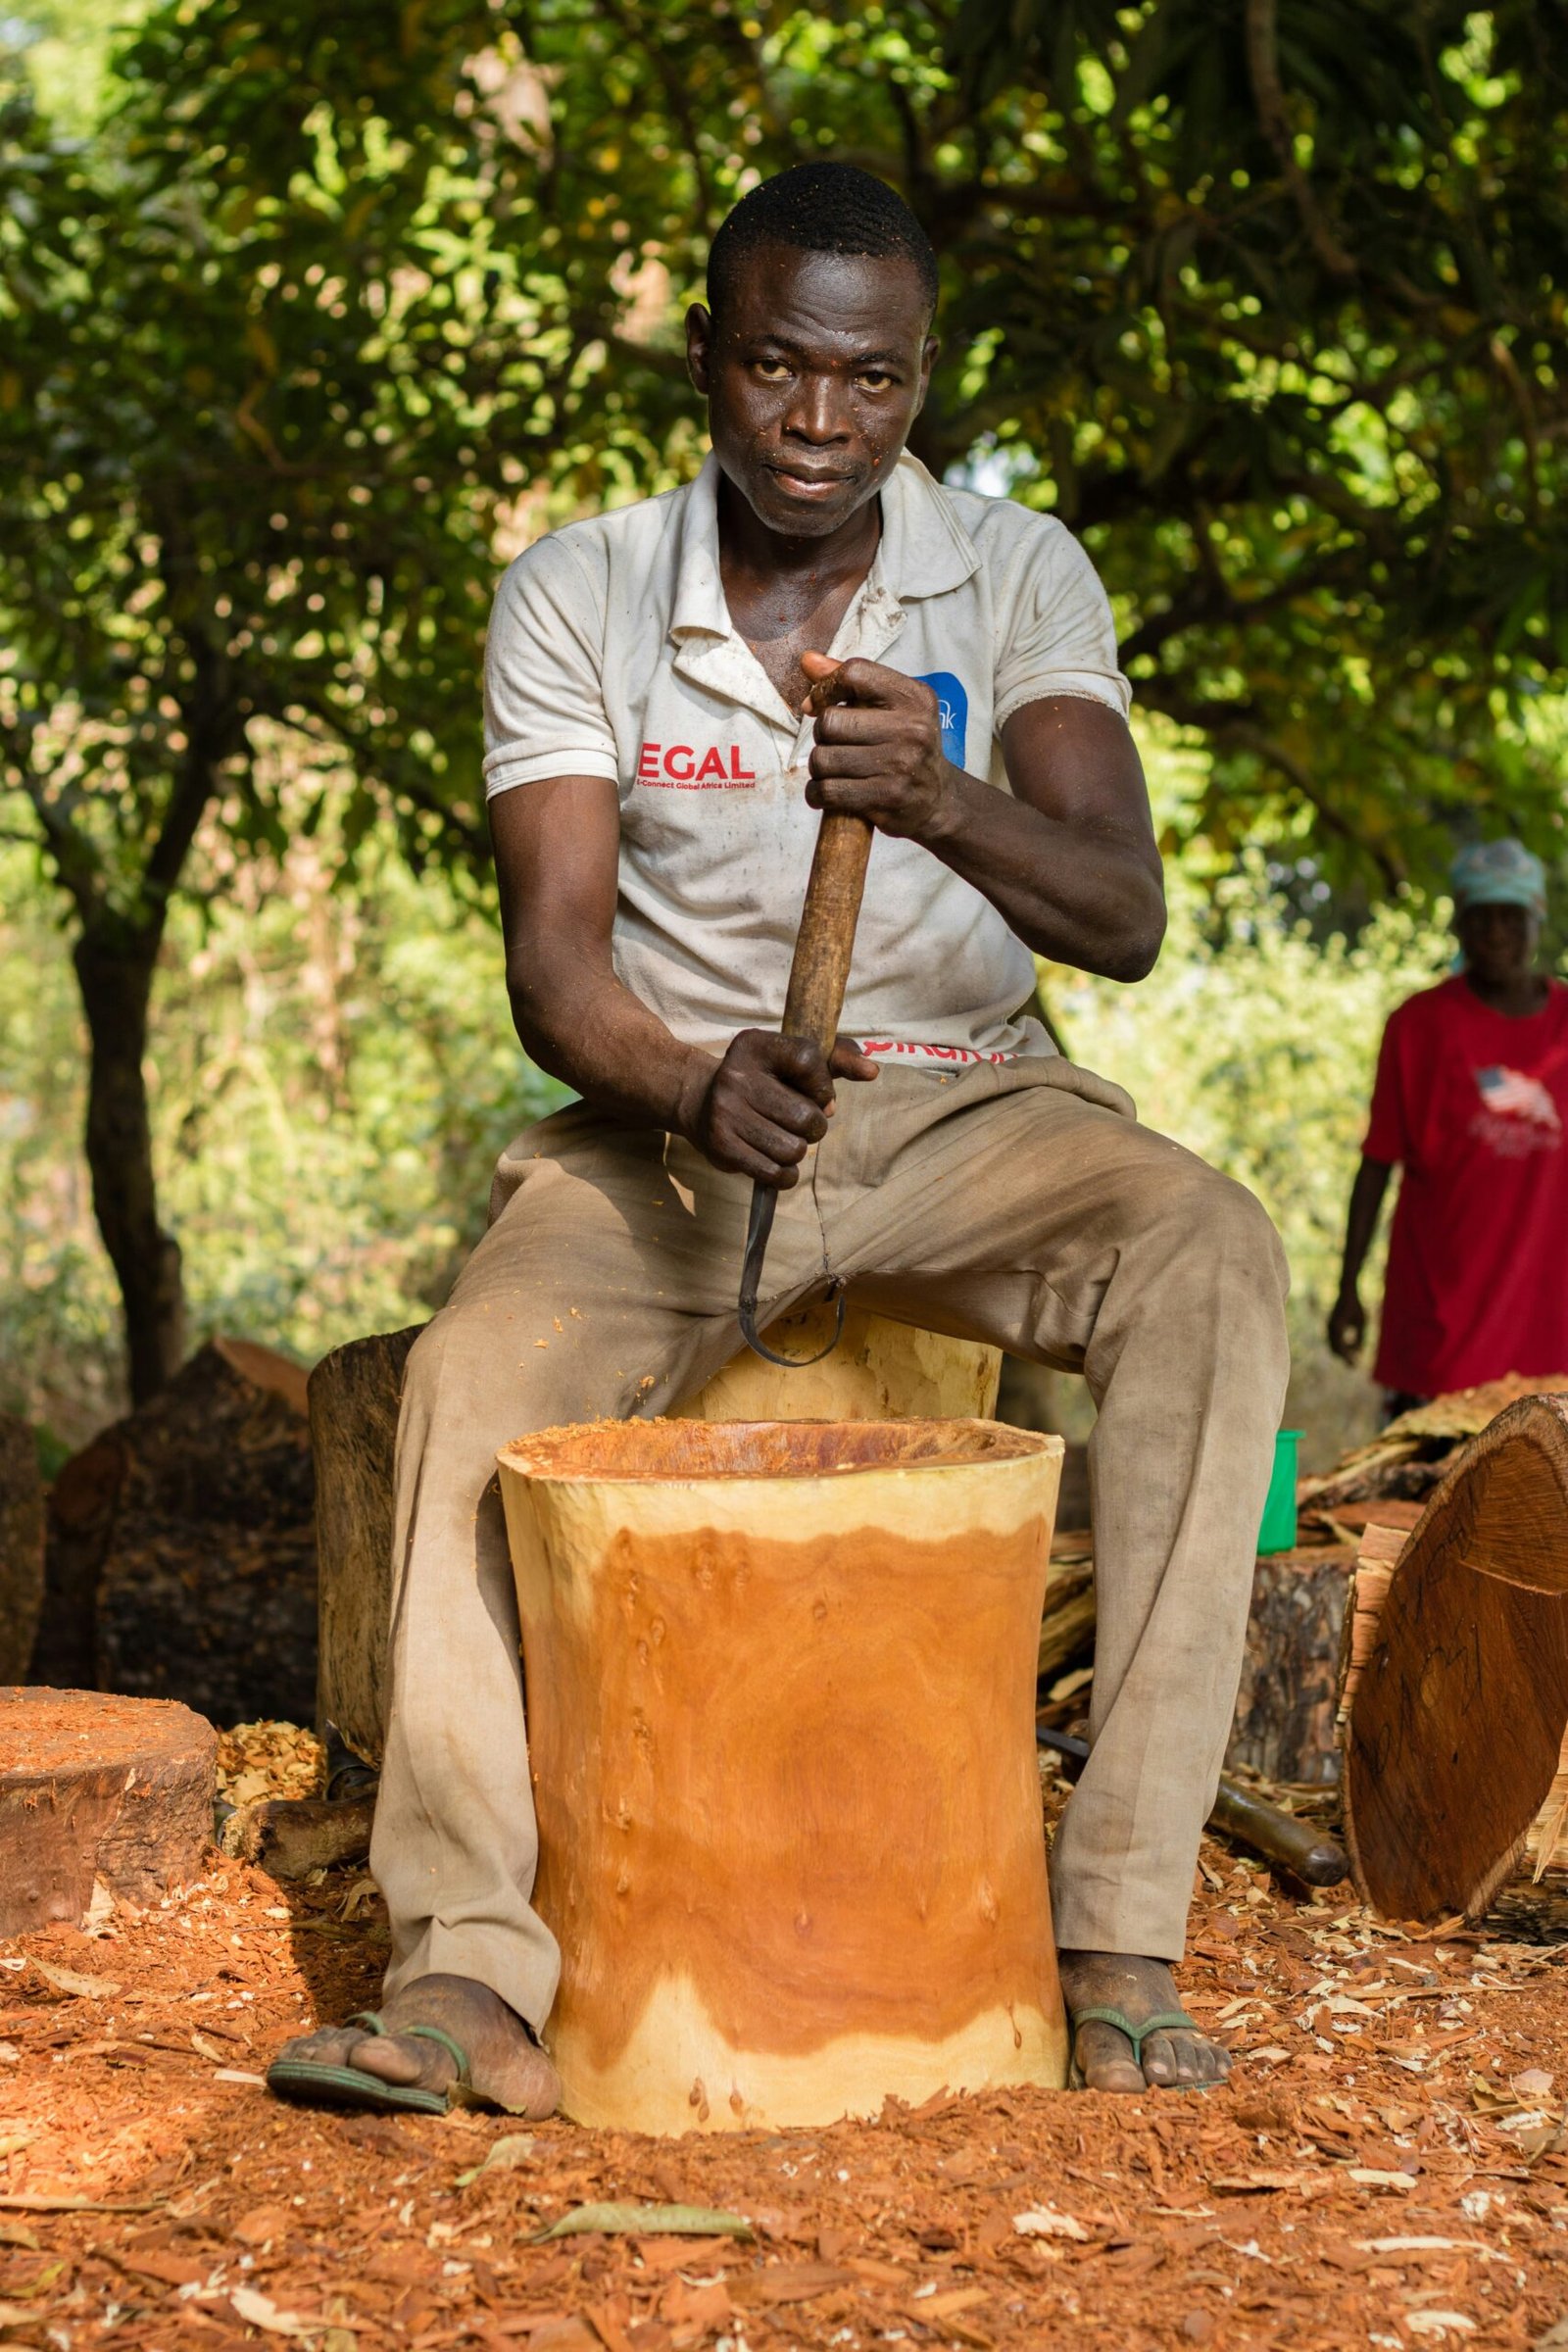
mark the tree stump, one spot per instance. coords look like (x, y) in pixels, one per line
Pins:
(181, 1555)
(353, 1397)
(21, 1546)
(1456, 1724)
(781, 1717)
(1285, 1710)
(98, 1788)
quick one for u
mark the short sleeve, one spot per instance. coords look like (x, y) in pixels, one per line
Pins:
(1388, 1132)
(1061, 638)
(544, 703)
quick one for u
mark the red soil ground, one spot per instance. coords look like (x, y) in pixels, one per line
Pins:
(1388, 2166)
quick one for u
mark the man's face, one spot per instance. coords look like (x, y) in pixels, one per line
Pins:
(812, 377)
(1499, 942)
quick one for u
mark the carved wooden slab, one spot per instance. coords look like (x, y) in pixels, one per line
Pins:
(781, 1717)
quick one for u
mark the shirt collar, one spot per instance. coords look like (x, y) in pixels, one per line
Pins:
(924, 549)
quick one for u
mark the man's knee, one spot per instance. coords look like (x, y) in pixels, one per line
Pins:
(1212, 1223)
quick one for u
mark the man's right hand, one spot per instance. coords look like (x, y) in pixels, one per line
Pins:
(766, 1104)
(1346, 1326)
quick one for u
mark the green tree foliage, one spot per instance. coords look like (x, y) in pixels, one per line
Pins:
(243, 487)
(1258, 294)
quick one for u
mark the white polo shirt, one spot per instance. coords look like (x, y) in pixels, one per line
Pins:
(612, 654)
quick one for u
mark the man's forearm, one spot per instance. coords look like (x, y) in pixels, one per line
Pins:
(1361, 1224)
(1082, 896)
(596, 1036)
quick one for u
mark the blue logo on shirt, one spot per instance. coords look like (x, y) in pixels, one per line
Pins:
(954, 703)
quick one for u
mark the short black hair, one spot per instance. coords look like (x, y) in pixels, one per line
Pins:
(819, 207)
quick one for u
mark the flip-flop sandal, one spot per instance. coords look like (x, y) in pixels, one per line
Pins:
(311, 2084)
(1168, 2021)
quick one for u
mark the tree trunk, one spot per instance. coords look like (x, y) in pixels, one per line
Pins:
(21, 1546)
(114, 963)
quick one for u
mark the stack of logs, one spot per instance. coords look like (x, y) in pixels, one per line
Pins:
(1287, 1725)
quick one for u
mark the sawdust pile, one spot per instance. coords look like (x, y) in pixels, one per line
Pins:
(1388, 2167)
(257, 1760)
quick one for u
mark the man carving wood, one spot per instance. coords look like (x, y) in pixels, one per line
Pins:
(654, 780)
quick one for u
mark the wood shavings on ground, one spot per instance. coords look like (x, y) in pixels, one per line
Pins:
(1265, 2212)
(257, 1760)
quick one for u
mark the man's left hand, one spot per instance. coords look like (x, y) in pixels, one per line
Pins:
(878, 752)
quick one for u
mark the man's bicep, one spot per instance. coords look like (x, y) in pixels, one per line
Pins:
(1074, 759)
(556, 850)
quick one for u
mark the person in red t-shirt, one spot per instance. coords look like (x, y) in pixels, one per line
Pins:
(1471, 1100)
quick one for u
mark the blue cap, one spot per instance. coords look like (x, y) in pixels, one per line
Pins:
(1498, 873)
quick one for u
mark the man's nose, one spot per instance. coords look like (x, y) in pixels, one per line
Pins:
(819, 410)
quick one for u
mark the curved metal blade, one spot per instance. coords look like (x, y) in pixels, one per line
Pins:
(765, 1200)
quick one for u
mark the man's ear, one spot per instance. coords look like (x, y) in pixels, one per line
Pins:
(698, 345)
(929, 355)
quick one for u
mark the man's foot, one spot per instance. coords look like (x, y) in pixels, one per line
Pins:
(505, 2065)
(1172, 2059)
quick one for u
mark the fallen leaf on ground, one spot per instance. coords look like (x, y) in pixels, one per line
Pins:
(1438, 2323)
(1366, 2175)
(504, 2155)
(69, 1980)
(648, 2220)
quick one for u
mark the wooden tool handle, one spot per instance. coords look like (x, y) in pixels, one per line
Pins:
(1298, 1846)
(825, 942)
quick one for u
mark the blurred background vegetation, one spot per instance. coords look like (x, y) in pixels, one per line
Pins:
(310, 315)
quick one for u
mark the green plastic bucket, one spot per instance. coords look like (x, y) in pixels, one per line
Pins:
(1278, 1530)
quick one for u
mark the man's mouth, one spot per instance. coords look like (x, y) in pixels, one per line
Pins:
(809, 480)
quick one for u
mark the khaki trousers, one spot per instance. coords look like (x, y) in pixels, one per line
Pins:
(1020, 1205)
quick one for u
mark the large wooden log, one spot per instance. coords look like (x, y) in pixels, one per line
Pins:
(1457, 1723)
(353, 1397)
(781, 1715)
(96, 1790)
(21, 1546)
(181, 1558)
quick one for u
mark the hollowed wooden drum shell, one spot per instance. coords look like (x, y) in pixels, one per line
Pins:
(780, 1685)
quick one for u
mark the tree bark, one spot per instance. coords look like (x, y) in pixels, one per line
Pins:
(1285, 1708)
(354, 1398)
(114, 961)
(21, 1546)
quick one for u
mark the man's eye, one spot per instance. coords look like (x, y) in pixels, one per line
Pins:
(876, 379)
(771, 370)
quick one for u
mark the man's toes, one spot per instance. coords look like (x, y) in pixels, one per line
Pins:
(1162, 2063)
(1106, 2059)
(1189, 2049)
